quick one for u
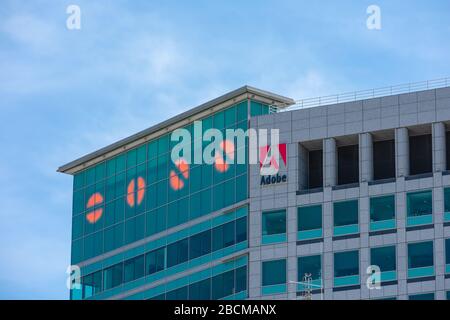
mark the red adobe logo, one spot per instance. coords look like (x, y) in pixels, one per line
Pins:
(269, 158)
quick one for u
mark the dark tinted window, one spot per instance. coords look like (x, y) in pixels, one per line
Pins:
(315, 169)
(200, 244)
(348, 164)
(420, 159)
(383, 159)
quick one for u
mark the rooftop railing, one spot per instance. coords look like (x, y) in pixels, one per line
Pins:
(367, 94)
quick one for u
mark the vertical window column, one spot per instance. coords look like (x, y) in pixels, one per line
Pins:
(366, 157)
(439, 146)
(402, 152)
(330, 162)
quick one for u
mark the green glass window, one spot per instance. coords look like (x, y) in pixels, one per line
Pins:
(154, 261)
(141, 154)
(223, 285)
(309, 222)
(241, 229)
(200, 290)
(90, 176)
(257, 109)
(420, 259)
(420, 254)
(346, 264)
(111, 167)
(134, 229)
(419, 207)
(273, 227)
(77, 226)
(274, 272)
(121, 161)
(447, 251)
(92, 284)
(242, 111)
(134, 268)
(241, 187)
(200, 244)
(274, 222)
(78, 180)
(447, 204)
(177, 253)
(382, 209)
(131, 158)
(112, 276)
(78, 202)
(204, 191)
(384, 258)
(345, 217)
(309, 265)
(223, 236)
(178, 294)
(241, 279)
(423, 296)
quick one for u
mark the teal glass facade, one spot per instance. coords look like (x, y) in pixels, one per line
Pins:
(141, 193)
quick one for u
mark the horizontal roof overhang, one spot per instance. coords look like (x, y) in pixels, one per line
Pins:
(175, 122)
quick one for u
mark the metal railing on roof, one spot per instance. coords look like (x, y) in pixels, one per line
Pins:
(368, 94)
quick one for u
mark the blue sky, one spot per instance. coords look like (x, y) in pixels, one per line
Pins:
(135, 63)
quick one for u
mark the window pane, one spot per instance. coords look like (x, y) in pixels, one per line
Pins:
(425, 296)
(383, 159)
(200, 290)
(241, 229)
(309, 265)
(382, 208)
(420, 254)
(447, 251)
(134, 268)
(177, 253)
(178, 294)
(447, 199)
(241, 279)
(113, 276)
(223, 285)
(346, 264)
(154, 261)
(274, 222)
(309, 218)
(200, 244)
(223, 236)
(78, 180)
(348, 164)
(92, 284)
(345, 213)
(241, 187)
(384, 258)
(274, 272)
(419, 203)
(420, 150)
